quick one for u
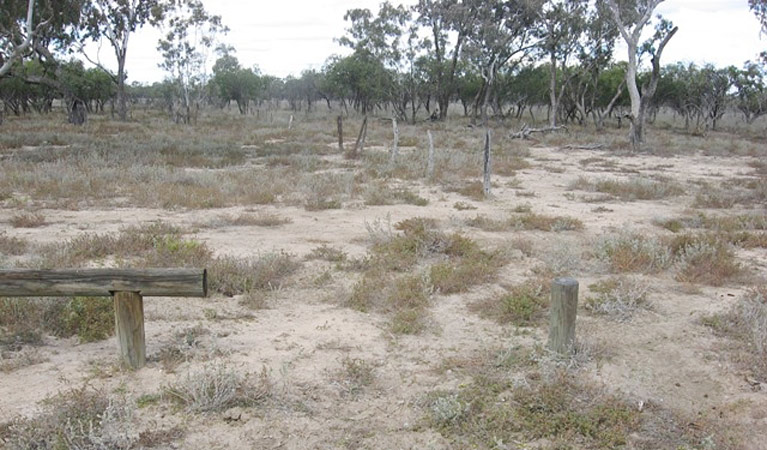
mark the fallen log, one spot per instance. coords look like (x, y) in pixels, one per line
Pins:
(526, 131)
(583, 147)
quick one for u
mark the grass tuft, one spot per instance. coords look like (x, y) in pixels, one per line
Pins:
(618, 298)
(746, 323)
(27, 220)
(521, 305)
(632, 252)
(217, 387)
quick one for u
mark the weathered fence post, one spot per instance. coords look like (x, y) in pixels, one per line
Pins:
(395, 143)
(129, 328)
(430, 163)
(564, 305)
(340, 121)
(486, 165)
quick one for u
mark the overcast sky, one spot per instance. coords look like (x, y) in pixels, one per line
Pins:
(284, 37)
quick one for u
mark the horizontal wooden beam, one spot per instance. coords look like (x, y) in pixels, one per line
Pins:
(103, 282)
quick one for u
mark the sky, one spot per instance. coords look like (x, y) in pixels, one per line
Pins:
(284, 37)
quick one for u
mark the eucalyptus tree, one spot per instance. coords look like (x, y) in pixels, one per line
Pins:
(501, 31)
(593, 92)
(750, 90)
(41, 30)
(191, 32)
(562, 23)
(232, 82)
(759, 7)
(448, 23)
(389, 38)
(631, 17)
(116, 21)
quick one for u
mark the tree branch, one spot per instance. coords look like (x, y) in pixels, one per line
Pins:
(24, 46)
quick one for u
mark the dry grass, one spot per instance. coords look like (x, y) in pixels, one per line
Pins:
(628, 251)
(637, 188)
(25, 220)
(232, 276)
(25, 320)
(76, 419)
(354, 376)
(463, 206)
(218, 387)
(263, 219)
(11, 245)
(527, 221)
(704, 258)
(618, 298)
(379, 193)
(746, 323)
(403, 299)
(387, 285)
(327, 253)
(14, 360)
(561, 410)
(521, 305)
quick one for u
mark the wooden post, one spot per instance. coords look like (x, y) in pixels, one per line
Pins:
(430, 163)
(564, 305)
(340, 122)
(486, 166)
(360, 143)
(395, 144)
(129, 327)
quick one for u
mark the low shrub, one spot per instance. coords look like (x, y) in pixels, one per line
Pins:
(627, 251)
(216, 387)
(618, 298)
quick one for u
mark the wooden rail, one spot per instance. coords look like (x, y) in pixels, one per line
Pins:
(128, 287)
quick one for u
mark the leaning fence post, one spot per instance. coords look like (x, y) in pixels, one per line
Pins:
(564, 304)
(340, 123)
(129, 328)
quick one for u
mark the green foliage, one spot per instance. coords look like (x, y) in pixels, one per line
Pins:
(521, 305)
(234, 83)
(26, 320)
(360, 77)
(90, 318)
(563, 411)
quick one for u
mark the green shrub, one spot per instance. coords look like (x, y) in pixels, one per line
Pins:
(90, 318)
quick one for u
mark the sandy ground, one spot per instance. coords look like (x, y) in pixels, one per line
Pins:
(663, 355)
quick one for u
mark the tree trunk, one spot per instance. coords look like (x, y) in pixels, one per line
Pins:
(553, 92)
(122, 103)
(486, 165)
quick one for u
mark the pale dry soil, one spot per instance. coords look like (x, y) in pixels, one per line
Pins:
(663, 355)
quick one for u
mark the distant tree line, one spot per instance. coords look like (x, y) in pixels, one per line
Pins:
(496, 58)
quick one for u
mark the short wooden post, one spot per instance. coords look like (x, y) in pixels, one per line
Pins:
(340, 122)
(564, 304)
(129, 327)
